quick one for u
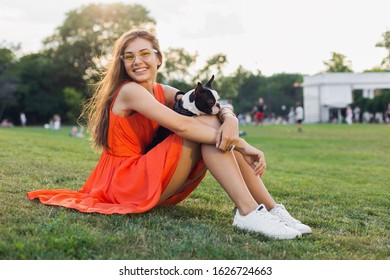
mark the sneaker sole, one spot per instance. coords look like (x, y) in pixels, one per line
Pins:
(278, 237)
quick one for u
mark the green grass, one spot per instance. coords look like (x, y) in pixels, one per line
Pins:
(333, 177)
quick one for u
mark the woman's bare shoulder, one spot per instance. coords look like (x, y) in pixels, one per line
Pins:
(169, 89)
(169, 93)
(128, 95)
(131, 87)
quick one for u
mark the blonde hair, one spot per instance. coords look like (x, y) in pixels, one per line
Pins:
(97, 109)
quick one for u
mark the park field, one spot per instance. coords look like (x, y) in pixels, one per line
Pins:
(335, 178)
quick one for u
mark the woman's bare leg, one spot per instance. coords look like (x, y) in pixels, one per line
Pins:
(254, 183)
(190, 155)
(224, 168)
(222, 165)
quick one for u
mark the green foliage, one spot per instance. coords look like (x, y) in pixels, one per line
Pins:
(332, 177)
(7, 79)
(73, 99)
(385, 43)
(71, 58)
(213, 66)
(337, 63)
(39, 84)
(228, 89)
(39, 92)
(251, 88)
(283, 89)
(6, 59)
(374, 69)
(376, 104)
(277, 90)
(82, 43)
(177, 63)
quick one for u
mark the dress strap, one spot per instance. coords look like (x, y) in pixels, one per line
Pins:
(159, 93)
(116, 95)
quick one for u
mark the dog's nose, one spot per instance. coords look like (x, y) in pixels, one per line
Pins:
(218, 106)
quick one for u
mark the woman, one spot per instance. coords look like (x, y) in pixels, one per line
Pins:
(124, 114)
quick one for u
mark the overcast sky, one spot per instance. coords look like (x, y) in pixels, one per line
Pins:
(293, 36)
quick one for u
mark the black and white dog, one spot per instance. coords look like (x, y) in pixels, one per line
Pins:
(203, 100)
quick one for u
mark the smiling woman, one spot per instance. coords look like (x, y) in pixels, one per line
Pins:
(124, 115)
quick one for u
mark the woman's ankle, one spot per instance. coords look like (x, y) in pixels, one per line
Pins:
(245, 210)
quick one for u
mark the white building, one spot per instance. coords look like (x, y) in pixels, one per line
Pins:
(328, 92)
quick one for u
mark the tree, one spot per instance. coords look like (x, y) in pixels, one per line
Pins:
(80, 47)
(229, 86)
(252, 87)
(385, 43)
(213, 66)
(38, 93)
(338, 64)
(55, 79)
(283, 89)
(73, 100)
(177, 64)
(7, 78)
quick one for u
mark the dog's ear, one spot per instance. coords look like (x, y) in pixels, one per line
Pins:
(177, 95)
(208, 84)
(196, 92)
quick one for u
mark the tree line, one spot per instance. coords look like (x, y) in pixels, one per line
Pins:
(58, 78)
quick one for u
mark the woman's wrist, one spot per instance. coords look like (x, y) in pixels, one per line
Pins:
(225, 112)
(240, 146)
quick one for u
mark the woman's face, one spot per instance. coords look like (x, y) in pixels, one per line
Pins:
(143, 68)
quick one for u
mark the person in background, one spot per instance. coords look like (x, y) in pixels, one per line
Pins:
(56, 122)
(356, 113)
(6, 123)
(259, 111)
(299, 116)
(387, 114)
(23, 119)
(74, 132)
(348, 115)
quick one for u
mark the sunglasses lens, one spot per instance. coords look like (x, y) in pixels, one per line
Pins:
(128, 56)
(145, 54)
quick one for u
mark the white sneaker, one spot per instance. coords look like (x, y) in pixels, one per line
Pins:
(260, 220)
(280, 211)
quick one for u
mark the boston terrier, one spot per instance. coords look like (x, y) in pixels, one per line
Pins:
(203, 100)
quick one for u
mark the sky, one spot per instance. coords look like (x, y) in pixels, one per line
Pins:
(273, 36)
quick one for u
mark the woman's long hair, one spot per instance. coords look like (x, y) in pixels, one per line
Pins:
(97, 109)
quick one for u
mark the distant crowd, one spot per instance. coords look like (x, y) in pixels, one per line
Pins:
(258, 116)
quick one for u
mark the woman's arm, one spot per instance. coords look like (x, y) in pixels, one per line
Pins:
(228, 135)
(169, 93)
(133, 97)
(254, 157)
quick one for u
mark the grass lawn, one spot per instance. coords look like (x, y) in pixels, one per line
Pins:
(335, 178)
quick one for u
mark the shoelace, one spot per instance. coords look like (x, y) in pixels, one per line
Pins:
(270, 216)
(286, 216)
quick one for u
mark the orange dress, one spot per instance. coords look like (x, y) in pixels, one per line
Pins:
(125, 180)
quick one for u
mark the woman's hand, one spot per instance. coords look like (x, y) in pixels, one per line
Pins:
(227, 135)
(254, 157)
